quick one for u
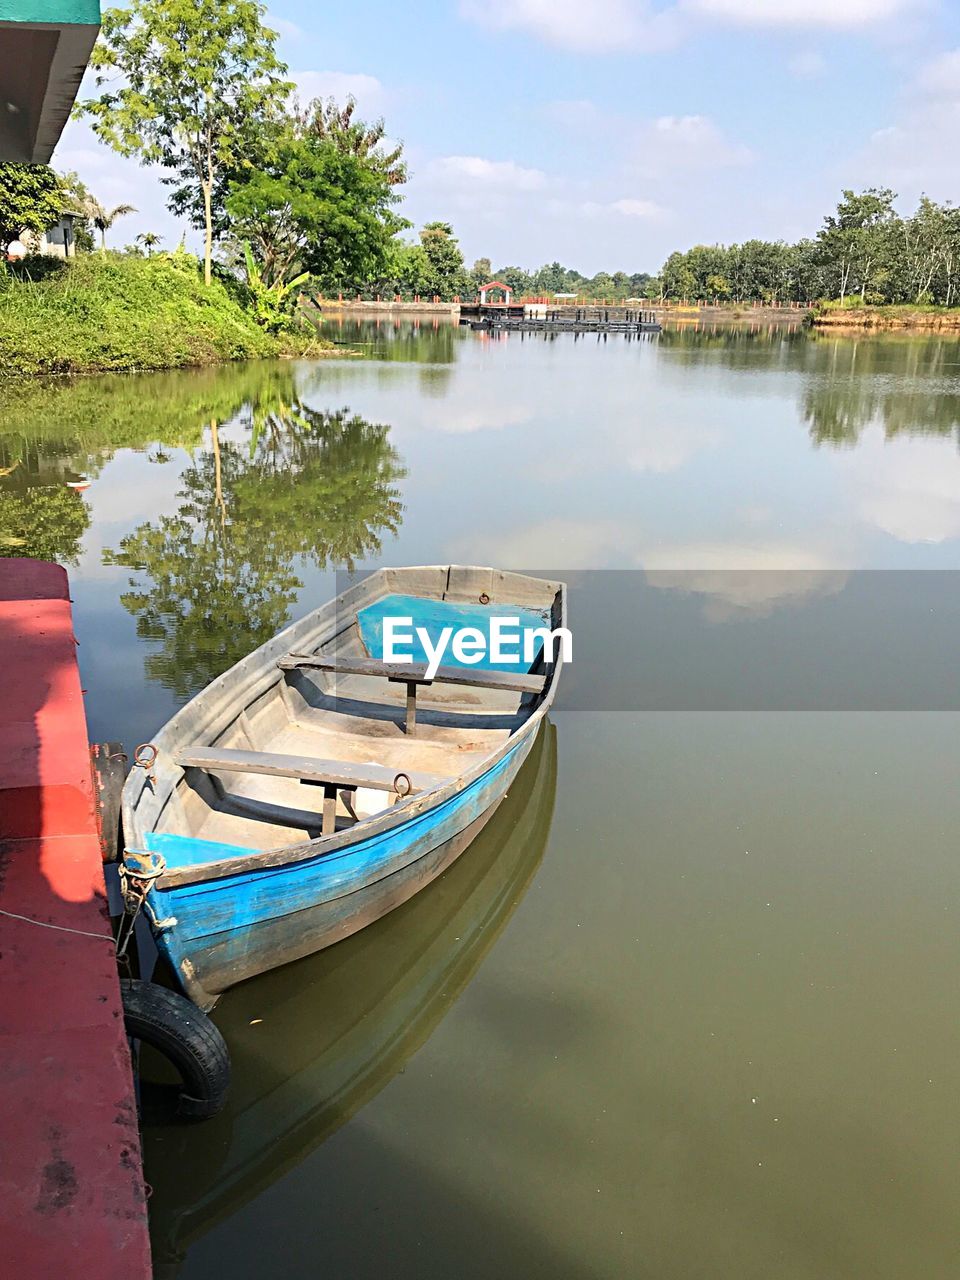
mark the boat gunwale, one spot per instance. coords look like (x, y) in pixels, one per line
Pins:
(398, 814)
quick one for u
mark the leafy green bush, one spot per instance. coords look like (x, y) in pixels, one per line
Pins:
(114, 312)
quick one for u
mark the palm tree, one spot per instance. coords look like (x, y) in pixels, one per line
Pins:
(103, 218)
(149, 240)
(328, 121)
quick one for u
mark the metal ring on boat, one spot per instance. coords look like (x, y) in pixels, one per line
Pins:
(484, 598)
(148, 761)
(408, 787)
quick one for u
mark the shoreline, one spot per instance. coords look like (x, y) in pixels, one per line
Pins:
(315, 349)
(669, 311)
(888, 320)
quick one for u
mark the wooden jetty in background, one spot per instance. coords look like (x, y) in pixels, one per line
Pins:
(543, 318)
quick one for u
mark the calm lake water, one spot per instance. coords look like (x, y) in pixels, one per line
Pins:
(689, 1005)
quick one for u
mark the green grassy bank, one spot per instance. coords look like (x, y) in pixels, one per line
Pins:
(112, 312)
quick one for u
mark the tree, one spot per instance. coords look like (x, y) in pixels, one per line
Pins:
(326, 121)
(196, 76)
(601, 286)
(309, 205)
(854, 239)
(273, 304)
(76, 197)
(480, 274)
(679, 280)
(551, 278)
(149, 240)
(447, 277)
(643, 285)
(31, 199)
(520, 281)
(411, 269)
(103, 218)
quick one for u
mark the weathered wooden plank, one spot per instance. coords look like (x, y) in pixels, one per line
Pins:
(411, 723)
(329, 808)
(415, 672)
(342, 773)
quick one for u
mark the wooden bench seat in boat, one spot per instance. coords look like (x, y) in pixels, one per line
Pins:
(416, 672)
(413, 674)
(332, 775)
(340, 773)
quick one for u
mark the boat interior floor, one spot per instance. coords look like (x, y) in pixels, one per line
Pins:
(455, 729)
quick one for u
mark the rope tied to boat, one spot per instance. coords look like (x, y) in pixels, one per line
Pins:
(138, 871)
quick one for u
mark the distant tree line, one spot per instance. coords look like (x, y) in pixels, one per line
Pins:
(865, 252)
(434, 266)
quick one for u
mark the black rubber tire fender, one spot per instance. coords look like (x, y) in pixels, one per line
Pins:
(175, 1027)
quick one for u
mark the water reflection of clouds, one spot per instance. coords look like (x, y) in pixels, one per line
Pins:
(570, 543)
(732, 594)
(640, 443)
(468, 418)
(613, 451)
(907, 487)
(734, 579)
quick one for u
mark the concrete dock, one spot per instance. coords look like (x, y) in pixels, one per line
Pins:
(72, 1197)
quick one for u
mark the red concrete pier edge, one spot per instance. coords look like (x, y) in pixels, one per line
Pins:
(72, 1198)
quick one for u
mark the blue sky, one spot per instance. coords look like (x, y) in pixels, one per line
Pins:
(605, 133)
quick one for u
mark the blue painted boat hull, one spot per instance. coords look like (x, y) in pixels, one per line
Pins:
(234, 927)
(302, 795)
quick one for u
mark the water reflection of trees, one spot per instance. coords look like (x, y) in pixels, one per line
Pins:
(44, 522)
(57, 433)
(429, 340)
(218, 575)
(79, 423)
(907, 386)
(744, 347)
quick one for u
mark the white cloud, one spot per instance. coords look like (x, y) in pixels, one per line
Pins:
(940, 77)
(807, 66)
(733, 557)
(836, 14)
(475, 171)
(633, 208)
(685, 142)
(368, 90)
(625, 208)
(917, 152)
(616, 26)
(283, 27)
(601, 26)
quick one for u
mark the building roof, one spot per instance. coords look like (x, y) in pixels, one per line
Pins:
(498, 284)
(46, 46)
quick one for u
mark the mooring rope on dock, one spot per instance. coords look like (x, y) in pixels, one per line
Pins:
(62, 928)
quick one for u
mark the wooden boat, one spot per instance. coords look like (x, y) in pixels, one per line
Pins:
(312, 1044)
(312, 788)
